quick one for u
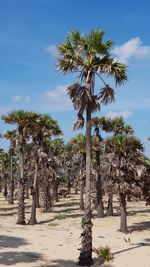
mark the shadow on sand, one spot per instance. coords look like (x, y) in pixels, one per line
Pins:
(8, 208)
(66, 210)
(11, 208)
(13, 258)
(141, 226)
(11, 241)
(134, 212)
(66, 216)
(67, 204)
(68, 263)
(134, 246)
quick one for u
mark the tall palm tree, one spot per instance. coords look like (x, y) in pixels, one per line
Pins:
(24, 121)
(89, 56)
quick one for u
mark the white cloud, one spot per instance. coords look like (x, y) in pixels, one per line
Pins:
(58, 98)
(134, 48)
(125, 114)
(19, 98)
(52, 49)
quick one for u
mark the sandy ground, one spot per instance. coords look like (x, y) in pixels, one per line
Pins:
(56, 242)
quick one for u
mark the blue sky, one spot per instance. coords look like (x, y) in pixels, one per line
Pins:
(30, 30)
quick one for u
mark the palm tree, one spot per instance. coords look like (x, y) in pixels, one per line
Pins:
(44, 127)
(99, 124)
(24, 120)
(71, 166)
(127, 154)
(57, 147)
(89, 56)
(146, 181)
(79, 150)
(11, 136)
(118, 126)
(4, 171)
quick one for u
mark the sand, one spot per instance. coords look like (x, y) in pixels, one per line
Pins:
(55, 242)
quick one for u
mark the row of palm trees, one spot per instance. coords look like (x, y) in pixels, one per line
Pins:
(106, 154)
(116, 164)
(32, 132)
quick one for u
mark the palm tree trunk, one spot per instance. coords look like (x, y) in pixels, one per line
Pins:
(123, 221)
(27, 190)
(42, 197)
(32, 219)
(99, 200)
(0, 184)
(110, 205)
(81, 193)
(85, 258)
(11, 183)
(68, 186)
(21, 193)
(5, 181)
(46, 198)
(76, 187)
(21, 204)
(5, 192)
(37, 198)
(55, 189)
(49, 203)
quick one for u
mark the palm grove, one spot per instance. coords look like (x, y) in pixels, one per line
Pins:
(108, 160)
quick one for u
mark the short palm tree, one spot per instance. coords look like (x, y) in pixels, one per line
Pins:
(11, 136)
(4, 161)
(44, 127)
(118, 127)
(58, 148)
(79, 150)
(99, 124)
(127, 155)
(24, 121)
(89, 56)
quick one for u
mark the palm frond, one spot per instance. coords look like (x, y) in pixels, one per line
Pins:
(79, 122)
(118, 71)
(107, 95)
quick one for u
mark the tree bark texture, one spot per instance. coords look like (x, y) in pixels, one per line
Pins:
(81, 193)
(85, 258)
(11, 183)
(21, 193)
(32, 219)
(99, 199)
(109, 211)
(123, 214)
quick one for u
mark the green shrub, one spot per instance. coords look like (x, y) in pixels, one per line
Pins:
(104, 254)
